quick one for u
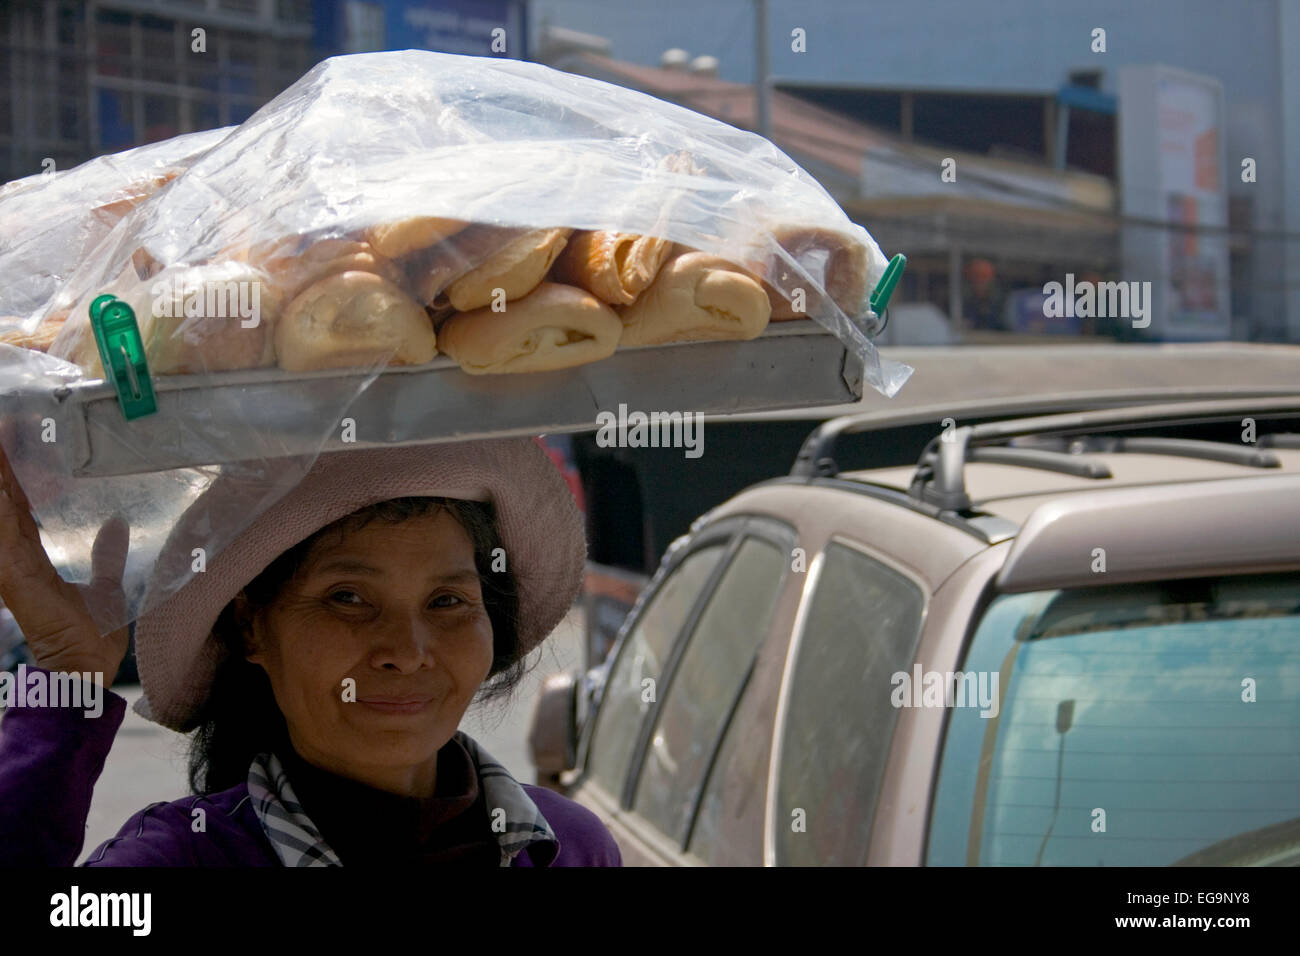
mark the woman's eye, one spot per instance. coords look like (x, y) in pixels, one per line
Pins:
(451, 597)
(346, 597)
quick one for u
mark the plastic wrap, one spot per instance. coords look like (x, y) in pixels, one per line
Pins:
(362, 143)
(51, 223)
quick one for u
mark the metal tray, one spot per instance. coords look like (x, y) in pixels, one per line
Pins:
(268, 413)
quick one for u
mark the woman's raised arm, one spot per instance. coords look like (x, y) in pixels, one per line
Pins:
(52, 750)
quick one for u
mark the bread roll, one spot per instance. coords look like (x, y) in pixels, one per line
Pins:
(396, 239)
(111, 212)
(211, 318)
(696, 297)
(39, 340)
(613, 266)
(293, 271)
(464, 272)
(842, 261)
(554, 326)
(352, 320)
(433, 270)
(75, 342)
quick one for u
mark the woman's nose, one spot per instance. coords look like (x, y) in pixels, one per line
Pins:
(403, 642)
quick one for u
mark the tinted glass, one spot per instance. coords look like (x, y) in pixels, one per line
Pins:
(1138, 726)
(862, 628)
(706, 685)
(737, 786)
(642, 658)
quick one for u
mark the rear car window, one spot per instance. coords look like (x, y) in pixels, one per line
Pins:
(642, 657)
(706, 686)
(862, 627)
(1137, 725)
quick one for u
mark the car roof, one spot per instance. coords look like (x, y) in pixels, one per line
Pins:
(925, 549)
(1172, 506)
(1014, 493)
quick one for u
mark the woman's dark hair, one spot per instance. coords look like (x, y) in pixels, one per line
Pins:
(241, 718)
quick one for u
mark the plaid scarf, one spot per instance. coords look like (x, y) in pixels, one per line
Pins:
(298, 843)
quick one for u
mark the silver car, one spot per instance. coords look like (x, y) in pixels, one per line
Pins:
(1063, 640)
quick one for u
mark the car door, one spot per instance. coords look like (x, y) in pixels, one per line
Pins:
(679, 672)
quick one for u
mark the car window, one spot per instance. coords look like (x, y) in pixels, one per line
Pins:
(1138, 725)
(737, 779)
(642, 657)
(862, 627)
(706, 684)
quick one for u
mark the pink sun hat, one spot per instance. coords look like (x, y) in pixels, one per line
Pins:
(540, 526)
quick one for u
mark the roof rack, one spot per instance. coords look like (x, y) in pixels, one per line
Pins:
(939, 478)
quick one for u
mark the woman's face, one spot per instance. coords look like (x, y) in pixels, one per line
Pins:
(376, 647)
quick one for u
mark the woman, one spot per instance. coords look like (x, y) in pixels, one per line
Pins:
(323, 661)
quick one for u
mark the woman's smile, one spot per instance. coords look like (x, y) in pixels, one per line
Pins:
(397, 705)
(388, 622)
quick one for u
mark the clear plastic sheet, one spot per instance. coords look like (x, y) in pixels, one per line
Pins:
(51, 223)
(360, 142)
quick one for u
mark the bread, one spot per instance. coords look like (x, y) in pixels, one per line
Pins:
(38, 340)
(292, 271)
(215, 318)
(75, 342)
(131, 195)
(465, 272)
(836, 260)
(696, 297)
(211, 318)
(554, 326)
(396, 239)
(353, 319)
(613, 266)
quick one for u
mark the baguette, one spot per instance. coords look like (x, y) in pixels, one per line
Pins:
(212, 318)
(554, 326)
(697, 297)
(615, 267)
(350, 320)
(38, 340)
(838, 262)
(396, 239)
(464, 273)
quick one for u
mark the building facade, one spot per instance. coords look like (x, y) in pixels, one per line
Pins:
(1018, 81)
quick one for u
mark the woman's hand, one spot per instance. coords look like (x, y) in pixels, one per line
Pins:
(51, 612)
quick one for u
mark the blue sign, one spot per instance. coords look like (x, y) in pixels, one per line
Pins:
(473, 27)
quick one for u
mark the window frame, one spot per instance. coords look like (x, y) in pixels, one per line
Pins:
(723, 532)
(772, 531)
(730, 531)
(797, 631)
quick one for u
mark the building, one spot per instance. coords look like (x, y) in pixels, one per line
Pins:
(79, 79)
(1025, 86)
(82, 79)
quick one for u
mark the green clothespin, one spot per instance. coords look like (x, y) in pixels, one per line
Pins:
(885, 287)
(121, 349)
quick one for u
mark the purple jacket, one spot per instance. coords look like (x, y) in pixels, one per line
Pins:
(50, 758)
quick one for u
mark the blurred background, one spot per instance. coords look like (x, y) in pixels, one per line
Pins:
(1152, 151)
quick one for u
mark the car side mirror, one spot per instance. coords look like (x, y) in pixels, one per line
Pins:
(553, 738)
